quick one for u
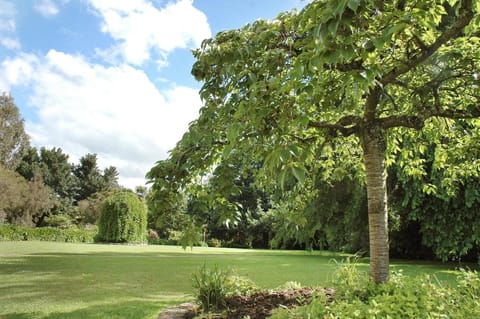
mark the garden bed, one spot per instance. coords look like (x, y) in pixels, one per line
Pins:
(259, 305)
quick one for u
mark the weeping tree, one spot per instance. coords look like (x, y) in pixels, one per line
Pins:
(330, 86)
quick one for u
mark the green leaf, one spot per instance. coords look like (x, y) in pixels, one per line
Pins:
(340, 7)
(379, 42)
(353, 4)
(299, 173)
(395, 29)
(227, 150)
(232, 132)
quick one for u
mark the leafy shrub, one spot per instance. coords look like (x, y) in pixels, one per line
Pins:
(401, 297)
(73, 235)
(210, 287)
(123, 219)
(240, 286)
(214, 242)
(468, 295)
(290, 285)
(60, 220)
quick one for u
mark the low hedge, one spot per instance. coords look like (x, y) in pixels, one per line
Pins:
(162, 241)
(71, 235)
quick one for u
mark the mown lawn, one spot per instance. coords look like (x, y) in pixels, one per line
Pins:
(61, 280)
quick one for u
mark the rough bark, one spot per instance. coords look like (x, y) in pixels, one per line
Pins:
(374, 147)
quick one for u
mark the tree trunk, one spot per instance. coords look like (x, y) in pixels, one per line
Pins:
(374, 148)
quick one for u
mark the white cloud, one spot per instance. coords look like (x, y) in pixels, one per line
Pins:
(46, 8)
(7, 16)
(116, 112)
(144, 32)
(8, 25)
(10, 43)
(17, 71)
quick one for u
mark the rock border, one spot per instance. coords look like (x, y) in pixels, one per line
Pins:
(186, 310)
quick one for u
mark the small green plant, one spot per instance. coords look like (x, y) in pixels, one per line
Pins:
(240, 286)
(349, 281)
(210, 287)
(290, 285)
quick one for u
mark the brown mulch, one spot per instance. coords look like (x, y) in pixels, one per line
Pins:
(256, 306)
(261, 304)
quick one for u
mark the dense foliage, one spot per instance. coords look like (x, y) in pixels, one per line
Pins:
(40, 187)
(14, 140)
(403, 297)
(91, 179)
(329, 88)
(24, 202)
(71, 235)
(123, 219)
(79, 188)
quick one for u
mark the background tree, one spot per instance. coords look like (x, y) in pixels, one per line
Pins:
(88, 210)
(434, 191)
(123, 219)
(91, 179)
(14, 142)
(167, 212)
(56, 172)
(236, 204)
(336, 72)
(24, 202)
(54, 168)
(326, 216)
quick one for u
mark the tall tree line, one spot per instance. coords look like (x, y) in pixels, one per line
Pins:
(38, 184)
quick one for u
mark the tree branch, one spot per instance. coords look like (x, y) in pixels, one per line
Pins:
(371, 103)
(414, 122)
(417, 122)
(466, 15)
(456, 114)
(347, 125)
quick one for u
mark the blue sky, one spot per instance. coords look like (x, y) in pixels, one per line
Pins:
(112, 77)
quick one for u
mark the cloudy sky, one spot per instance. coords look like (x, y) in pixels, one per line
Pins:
(112, 77)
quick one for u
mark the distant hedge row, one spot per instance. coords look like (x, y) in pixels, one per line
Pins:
(72, 235)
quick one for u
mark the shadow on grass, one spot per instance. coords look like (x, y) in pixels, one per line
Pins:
(120, 310)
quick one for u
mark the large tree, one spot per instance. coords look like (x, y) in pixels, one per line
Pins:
(14, 142)
(53, 166)
(292, 91)
(91, 179)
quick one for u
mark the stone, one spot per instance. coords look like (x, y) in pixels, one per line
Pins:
(183, 311)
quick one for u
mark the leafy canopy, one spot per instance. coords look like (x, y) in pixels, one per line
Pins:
(289, 91)
(14, 142)
(280, 89)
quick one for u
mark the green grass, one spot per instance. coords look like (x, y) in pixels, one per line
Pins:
(62, 280)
